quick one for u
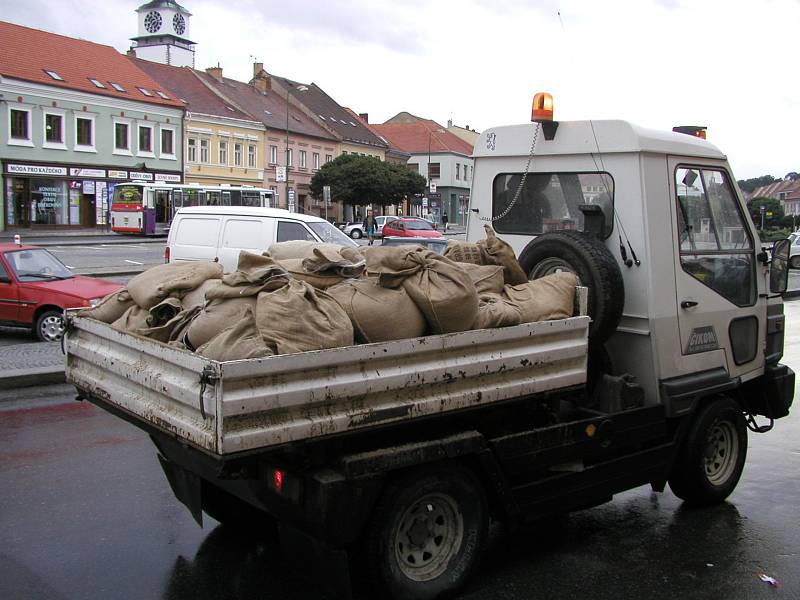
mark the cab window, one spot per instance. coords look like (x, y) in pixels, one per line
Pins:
(292, 230)
(715, 245)
(541, 202)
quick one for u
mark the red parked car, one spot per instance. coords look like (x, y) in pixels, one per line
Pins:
(36, 287)
(410, 227)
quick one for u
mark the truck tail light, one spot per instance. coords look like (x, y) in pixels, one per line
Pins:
(166, 255)
(542, 107)
(277, 480)
(284, 484)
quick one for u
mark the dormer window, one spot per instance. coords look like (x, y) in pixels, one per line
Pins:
(116, 86)
(145, 92)
(97, 83)
(54, 75)
(162, 94)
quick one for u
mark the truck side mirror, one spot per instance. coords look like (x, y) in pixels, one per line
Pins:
(779, 269)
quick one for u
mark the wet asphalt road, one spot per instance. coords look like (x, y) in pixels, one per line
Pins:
(85, 513)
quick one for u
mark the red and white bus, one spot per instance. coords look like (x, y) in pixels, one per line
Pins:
(147, 208)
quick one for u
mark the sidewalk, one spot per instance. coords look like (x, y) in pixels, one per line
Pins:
(75, 237)
(24, 365)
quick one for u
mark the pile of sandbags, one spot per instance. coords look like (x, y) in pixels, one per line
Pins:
(300, 296)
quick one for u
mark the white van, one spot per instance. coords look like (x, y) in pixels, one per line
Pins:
(219, 233)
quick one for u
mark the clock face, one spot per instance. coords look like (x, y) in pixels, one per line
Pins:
(152, 22)
(179, 24)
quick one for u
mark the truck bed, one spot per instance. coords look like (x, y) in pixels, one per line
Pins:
(238, 406)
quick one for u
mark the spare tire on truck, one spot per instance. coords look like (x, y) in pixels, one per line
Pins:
(587, 257)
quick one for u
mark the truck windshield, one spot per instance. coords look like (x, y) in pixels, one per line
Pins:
(330, 234)
(549, 201)
(37, 265)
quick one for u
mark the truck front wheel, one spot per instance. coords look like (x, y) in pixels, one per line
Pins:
(712, 459)
(427, 533)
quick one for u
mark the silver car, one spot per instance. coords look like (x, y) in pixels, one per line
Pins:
(356, 230)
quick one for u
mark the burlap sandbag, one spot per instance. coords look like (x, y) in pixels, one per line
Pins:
(321, 281)
(379, 314)
(164, 311)
(197, 296)
(324, 261)
(171, 330)
(496, 311)
(238, 342)
(550, 297)
(150, 287)
(298, 318)
(255, 273)
(133, 319)
(215, 317)
(354, 254)
(110, 308)
(501, 253)
(300, 249)
(464, 252)
(487, 279)
(393, 264)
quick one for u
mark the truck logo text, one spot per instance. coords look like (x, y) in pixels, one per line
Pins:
(702, 339)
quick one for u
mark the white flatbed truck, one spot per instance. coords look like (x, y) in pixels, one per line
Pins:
(392, 458)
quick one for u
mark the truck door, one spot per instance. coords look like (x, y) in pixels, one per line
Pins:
(719, 284)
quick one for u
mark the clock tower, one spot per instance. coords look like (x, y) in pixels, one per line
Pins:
(164, 34)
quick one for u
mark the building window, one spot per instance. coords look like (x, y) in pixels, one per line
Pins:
(315, 158)
(302, 159)
(122, 137)
(191, 150)
(237, 155)
(204, 151)
(19, 127)
(273, 155)
(145, 139)
(223, 153)
(53, 129)
(434, 170)
(458, 171)
(251, 155)
(328, 158)
(288, 157)
(84, 133)
(167, 142)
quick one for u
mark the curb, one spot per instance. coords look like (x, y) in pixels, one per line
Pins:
(33, 377)
(48, 243)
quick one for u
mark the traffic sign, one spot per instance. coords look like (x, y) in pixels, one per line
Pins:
(280, 174)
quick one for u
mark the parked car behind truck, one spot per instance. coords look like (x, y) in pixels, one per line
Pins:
(398, 454)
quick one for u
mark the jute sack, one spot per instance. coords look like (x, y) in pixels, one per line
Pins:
(298, 318)
(238, 342)
(495, 311)
(164, 311)
(300, 249)
(197, 296)
(393, 264)
(332, 263)
(132, 320)
(215, 317)
(255, 273)
(498, 252)
(354, 254)
(110, 308)
(379, 314)
(464, 252)
(171, 330)
(486, 279)
(321, 281)
(150, 287)
(550, 297)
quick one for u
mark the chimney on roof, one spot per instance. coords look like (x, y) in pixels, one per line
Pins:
(215, 72)
(131, 52)
(257, 68)
(364, 116)
(449, 123)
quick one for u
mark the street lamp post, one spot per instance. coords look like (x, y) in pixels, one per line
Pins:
(300, 88)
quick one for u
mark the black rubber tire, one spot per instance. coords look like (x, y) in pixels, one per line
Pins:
(587, 257)
(391, 576)
(356, 234)
(43, 329)
(712, 458)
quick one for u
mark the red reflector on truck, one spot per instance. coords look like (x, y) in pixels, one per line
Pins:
(277, 480)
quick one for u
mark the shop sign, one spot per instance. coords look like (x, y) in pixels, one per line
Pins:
(137, 176)
(87, 172)
(168, 177)
(36, 170)
(88, 187)
(118, 174)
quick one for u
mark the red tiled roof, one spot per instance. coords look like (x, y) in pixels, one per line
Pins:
(418, 137)
(25, 53)
(790, 188)
(184, 84)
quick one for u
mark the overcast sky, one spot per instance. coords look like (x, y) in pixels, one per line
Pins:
(729, 65)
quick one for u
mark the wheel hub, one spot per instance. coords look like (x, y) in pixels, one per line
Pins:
(722, 447)
(52, 329)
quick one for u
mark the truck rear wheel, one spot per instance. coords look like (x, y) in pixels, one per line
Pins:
(712, 458)
(427, 533)
(595, 266)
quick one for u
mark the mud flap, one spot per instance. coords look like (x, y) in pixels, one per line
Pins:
(186, 487)
(329, 566)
